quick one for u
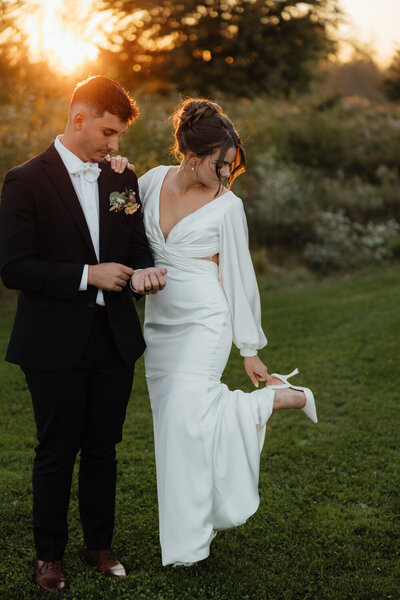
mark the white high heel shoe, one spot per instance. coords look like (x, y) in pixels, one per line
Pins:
(309, 408)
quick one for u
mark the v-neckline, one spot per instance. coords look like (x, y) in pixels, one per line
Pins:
(186, 216)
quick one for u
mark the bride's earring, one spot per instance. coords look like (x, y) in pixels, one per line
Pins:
(192, 168)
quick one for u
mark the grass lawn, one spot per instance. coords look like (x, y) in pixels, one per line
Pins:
(328, 523)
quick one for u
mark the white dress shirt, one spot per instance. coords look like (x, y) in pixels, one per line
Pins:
(88, 195)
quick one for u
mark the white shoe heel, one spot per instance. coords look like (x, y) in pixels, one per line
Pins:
(309, 408)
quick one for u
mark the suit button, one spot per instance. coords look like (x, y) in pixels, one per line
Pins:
(91, 304)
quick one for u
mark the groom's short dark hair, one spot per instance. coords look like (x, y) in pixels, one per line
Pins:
(105, 95)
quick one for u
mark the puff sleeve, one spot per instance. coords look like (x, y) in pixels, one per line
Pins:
(146, 182)
(239, 281)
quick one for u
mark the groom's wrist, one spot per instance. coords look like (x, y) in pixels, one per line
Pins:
(84, 279)
(130, 281)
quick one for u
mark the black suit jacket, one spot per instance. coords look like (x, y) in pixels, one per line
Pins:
(44, 244)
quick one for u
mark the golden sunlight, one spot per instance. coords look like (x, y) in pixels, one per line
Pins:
(375, 25)
(63, 34)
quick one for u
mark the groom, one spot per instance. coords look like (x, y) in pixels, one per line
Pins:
(77, 259)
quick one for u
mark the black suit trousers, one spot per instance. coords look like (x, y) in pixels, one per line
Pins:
(83, 410)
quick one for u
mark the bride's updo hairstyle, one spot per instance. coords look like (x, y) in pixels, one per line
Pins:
(200, 126)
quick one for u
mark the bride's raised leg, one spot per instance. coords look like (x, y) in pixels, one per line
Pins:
(289, 396)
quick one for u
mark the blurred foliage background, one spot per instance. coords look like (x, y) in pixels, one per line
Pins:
(322, 188)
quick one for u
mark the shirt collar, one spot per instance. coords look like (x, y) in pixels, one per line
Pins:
(70, 160)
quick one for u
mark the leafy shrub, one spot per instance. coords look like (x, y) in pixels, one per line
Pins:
(354, 137)
(280, 203)
(341, 244)
(260, 261)
(322, 181)
(27, 126)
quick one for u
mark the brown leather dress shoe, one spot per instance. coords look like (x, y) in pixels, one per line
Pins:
(49, 575)
(105, 561)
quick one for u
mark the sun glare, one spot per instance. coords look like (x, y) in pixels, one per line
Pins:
(68, 51)
(64, 42)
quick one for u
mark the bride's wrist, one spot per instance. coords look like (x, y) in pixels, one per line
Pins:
(248, 357)
(248, 352)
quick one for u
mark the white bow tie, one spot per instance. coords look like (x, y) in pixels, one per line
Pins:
(90, 172)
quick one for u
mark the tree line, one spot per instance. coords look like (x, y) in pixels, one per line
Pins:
(241, 46)
(247, 47)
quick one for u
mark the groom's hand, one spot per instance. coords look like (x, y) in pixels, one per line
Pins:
(149, 281)
(112, 277)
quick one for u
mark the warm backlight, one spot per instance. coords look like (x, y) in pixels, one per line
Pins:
(65, 39)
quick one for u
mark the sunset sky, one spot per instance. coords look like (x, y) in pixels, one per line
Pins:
(376, 23)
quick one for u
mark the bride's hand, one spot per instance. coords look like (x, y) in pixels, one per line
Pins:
(256, 369)
(119, 163)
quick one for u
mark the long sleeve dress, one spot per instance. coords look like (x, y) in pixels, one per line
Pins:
(207, 438)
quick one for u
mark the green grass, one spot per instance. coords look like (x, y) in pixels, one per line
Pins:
(328, 523)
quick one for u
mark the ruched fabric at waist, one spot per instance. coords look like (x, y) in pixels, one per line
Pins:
(191, 264)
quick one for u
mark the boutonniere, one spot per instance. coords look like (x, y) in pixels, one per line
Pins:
(125, 201)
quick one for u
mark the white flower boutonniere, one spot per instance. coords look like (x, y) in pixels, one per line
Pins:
(125, 201)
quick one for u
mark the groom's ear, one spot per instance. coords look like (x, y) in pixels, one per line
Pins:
(79, 121)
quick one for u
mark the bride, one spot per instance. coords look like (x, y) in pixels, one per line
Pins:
(207, 438)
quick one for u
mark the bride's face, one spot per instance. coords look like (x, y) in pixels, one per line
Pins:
(206, 169)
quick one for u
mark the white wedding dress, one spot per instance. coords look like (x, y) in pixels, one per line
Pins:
(207, 438)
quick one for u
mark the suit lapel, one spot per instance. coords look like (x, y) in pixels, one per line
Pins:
(61, 181)
(105, 184)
